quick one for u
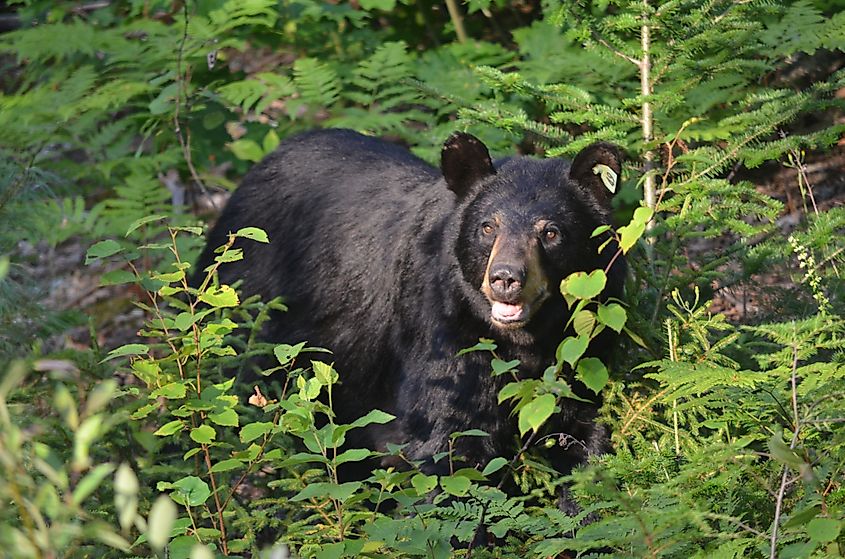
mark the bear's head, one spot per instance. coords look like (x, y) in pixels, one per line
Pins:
(524, 224)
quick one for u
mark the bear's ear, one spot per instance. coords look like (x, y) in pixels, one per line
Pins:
(598, 168)
(464, 161)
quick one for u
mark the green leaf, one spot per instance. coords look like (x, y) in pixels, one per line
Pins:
(252, 431)
(196, 231)
(191, 490)
(782, 453)
(308, 389)
(143, 221)
(162, 104)
(581, 285)
(227, 418)
(824, 529)
(171, 391)
(170, 428)
(100, 396)
(599, 230)
(117, 277)
(226, 465)
(151, 285)
(483, 344)
(222, 296)
(801, 517)
(375, 416)
(635, 337)
(385, 5)
(286, 353)
(642, 215)
(341, 492)
(353, 455)
(230, 255)
(469, 433)
(169, 277)
(592, 373)
(184, 320)
(301, 458)
(584, 321)
(253, 233)
(102, 249)
(571, 349)
(247, 150)
(501, 367)
(519, 389)
(423, 484)
(90, 482)
(160, 522)
(613, 316)
(204, 434)
(536, 412)
(630, 234)
(201, 551)
(126, 495)
(455, 485)
(128, 349)
(270, 142)
(194, 451)
(324, 373)
(494, 466)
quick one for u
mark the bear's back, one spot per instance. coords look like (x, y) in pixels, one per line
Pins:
(341, 210)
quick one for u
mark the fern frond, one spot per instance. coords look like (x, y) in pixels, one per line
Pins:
(316, 82)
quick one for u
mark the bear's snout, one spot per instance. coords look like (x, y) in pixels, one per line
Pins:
(506, 281)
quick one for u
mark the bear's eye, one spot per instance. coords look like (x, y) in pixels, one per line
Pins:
(487, 228)
(551, 234)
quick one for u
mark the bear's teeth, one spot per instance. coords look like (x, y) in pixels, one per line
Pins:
(505, 311)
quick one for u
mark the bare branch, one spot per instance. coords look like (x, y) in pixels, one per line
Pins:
(784, 480)
(602, 41)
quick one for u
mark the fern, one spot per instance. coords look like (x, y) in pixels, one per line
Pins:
(316, 82)
(382, 87)
(39, 44)
(257, 93)
(243, 13)
(140, 196)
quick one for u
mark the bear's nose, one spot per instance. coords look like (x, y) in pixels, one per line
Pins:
(507, 280)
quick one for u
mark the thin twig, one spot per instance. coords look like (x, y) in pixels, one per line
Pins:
(736, 521)
(673, 357)
(603, 42)
(185, 140)
(457, 20)
(784, 480)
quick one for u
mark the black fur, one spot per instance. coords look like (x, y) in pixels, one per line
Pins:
(379, 262)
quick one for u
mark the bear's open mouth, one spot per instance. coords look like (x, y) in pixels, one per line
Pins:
(507, 313)
(517, 314)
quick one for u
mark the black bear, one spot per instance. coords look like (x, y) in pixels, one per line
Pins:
(396, 267)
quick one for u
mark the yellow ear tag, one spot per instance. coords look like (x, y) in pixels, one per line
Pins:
(608, 176)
